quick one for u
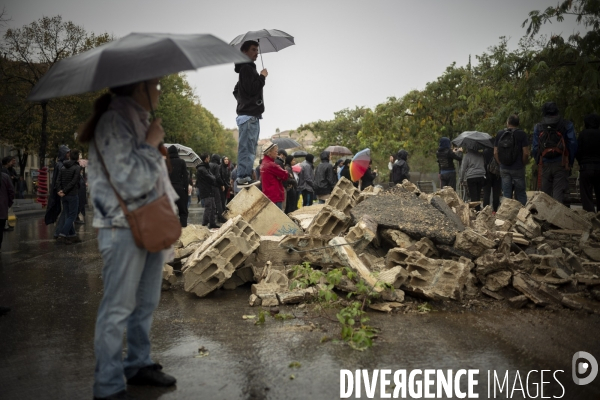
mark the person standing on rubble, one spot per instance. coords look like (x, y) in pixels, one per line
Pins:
(306, 179)
(325, 178)
(272, 175)
(445, 159)
(400, 168)
(179, 180)
(473, 172)
(207, 183)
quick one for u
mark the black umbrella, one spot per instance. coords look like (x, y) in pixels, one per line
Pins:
(285, 143)
(477, 140)
(136, 57)
(299, 153)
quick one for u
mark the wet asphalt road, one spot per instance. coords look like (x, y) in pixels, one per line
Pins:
(46, 341)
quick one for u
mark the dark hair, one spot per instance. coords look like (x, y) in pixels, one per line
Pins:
(549, 109)
(6, 160)
(591, 121)
(288, 160)
(513, 120)
(247, 44)
(310, 157)
(282, 151)
(74, 155)
(203, 156)
(101, 105)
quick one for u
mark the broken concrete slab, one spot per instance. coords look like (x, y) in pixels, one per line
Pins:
(267, 292)
(411, 187)
(545, 208)
(254, 300)
(538, 293)
(297, 295)
(278, 278)
(344, 196)
(449, 196)
(593, 253)
(472, 242)
(491, 294)
(441, 205)
(168, 277)
(270, 250)
(313, 249)
(464, 213)
(498, 280)
(484, 222)
(261, 213)
(396, 238)
(398, 209)
(329, 221)
(385, 307)
(425, 247)
(518, 301)
(216, 259)
(394, 276)
(362, 234)
(508, 210)
(304, 215)
(526, 225)
(349, 258)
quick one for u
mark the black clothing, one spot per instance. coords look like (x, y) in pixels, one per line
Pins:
(68, 178)
(205, 181)
(493, 188)
(368, 178)
(209, 213)
(475, 185)
(588, 149)
(400, 171)
(225, 174)
(520, 138)
(445, 159)
(280, 162)
(345, 172)
(179, 174)
(248, 91)
(448, 179)
(325, 178)
(589, 183)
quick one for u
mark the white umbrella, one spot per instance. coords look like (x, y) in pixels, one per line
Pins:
(186, 154)
(269, 40)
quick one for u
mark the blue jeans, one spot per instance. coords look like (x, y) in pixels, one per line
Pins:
(132, 281)
(279, 204)
(307, 198)
(61, 222)
(248, 138)
(514, 179)
(70, 209)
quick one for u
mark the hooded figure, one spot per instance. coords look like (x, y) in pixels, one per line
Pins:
(306, 180)
(445, 158)
(588, 158)
(179, 180)
(215, 169)
(54, 207)
(400, 169)
(325, 178)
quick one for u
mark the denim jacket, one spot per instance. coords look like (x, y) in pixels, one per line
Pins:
(133, 165)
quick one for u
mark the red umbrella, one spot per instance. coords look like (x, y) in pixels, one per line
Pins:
(360, 164)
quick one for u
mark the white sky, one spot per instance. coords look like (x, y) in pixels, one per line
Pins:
(348, 53)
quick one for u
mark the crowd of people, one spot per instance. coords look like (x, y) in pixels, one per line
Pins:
(500, 167)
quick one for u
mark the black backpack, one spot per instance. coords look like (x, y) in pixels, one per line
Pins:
(508, 148)
(493, 167)
(551, 140)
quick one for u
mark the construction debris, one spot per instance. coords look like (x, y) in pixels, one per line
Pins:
(398, 242)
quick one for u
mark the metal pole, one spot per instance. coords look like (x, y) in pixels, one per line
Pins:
(260, 52)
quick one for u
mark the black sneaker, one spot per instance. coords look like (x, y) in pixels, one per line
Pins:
(122, 395)
(152, 376)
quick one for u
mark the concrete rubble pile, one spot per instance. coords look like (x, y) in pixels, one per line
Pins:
(402, 242)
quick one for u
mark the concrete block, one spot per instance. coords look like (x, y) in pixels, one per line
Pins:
(441, 205)
(344, 196)
(484, 222)
(425, 247)
(297, 295)
(313, 249)
(526, 225)
(411, 187)
(329, 222)
(396, 238)
(531, 289)
(269, 250)
(190, 239)
(278, 278)
(491, 294)
(263, 215)
(472, 242)
(267, 292)
(518, 301)
(508, 210)
(217, 258)
(362, 234)
(464, 213)
(254, 300)
(450, 196)
(498, 280)
(545, 208)
(395, 276)
(169, 277)
(304, 216)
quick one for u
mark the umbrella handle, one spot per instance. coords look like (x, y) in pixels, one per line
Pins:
(260, 52)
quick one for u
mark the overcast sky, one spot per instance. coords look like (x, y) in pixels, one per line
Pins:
(348, 53)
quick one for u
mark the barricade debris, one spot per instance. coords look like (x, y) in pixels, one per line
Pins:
(400, 242)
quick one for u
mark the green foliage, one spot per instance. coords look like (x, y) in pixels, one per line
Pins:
(304, 276)
(262, 314)
(294, 364)
(354, 327)
(283, 317)
(425, 308)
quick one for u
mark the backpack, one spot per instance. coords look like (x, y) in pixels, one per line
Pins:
(551, 140)
(508, 148)
(493, 167)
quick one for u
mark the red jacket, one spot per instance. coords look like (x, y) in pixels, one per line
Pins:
(272, 177)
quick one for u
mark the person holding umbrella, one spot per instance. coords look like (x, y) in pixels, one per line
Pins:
(248, 92)
(472, 171)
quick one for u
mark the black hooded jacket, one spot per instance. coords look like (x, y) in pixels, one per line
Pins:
(325, 178)
(225, 173)
(215, 169)
(179, 173)
(400, 169)
(205, 181)
(588, 143)
(248, 91)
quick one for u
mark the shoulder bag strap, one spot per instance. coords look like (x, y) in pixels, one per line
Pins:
(121, 202)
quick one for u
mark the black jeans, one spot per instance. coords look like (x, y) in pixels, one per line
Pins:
(182, 205)
(2, 224)
(291, 201)
(210, 212)
(217, 196)
(475, 185)
(589, 183)
(448, 179)
(493, 187)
